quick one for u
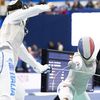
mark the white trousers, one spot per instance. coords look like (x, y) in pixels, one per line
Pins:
(69, 92)
(10, 87)
(20, 91)
(7, 74)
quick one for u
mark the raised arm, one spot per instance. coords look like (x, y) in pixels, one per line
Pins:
(22, 14)
(76, 62)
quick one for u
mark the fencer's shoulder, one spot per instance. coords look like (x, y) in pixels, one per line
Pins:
(7, 19)
(92, 60)
(13, 16)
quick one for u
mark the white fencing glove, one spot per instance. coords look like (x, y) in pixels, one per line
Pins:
(46, 69)
(42, 68)
(74, 65)
(71, 65)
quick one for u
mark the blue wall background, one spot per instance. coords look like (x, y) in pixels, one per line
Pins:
(45, 28)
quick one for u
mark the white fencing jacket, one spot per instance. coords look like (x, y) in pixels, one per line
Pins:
(12, 31)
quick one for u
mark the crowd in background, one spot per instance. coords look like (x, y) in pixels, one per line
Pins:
(63, 8)
(68, 6)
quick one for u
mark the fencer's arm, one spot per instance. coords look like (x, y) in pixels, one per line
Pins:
(22, 14)
(29, 59)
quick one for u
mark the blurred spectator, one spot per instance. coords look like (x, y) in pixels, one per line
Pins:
(55, 10)
(63, 9)
(97, 5)
(60, 46)
(76, 5)
(30, 50)
(2, 2)
(35, 52)
(51, 45)
(89, 4)
(68, 5)
(58, 9)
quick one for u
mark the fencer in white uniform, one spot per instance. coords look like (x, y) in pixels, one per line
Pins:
(11, 47)
(82, 67)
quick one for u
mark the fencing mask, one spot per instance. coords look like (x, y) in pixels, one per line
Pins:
(86, 47)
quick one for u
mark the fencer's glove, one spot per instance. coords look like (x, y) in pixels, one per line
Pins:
(74, 65)
(71, 65)
(46, 69)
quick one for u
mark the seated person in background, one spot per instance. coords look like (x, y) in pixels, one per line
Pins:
(89, 4)
(97, 5)
(51, 45)
(82, 67)
(67, 4)
(76, 5)
(34, 51)
(60, 46)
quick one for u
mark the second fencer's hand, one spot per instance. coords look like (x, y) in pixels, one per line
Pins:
(74, 65)
(47, 68)
(71, 65)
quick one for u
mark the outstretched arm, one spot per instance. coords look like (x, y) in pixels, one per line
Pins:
(22, 14)
(76, 62)
(29, 59)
